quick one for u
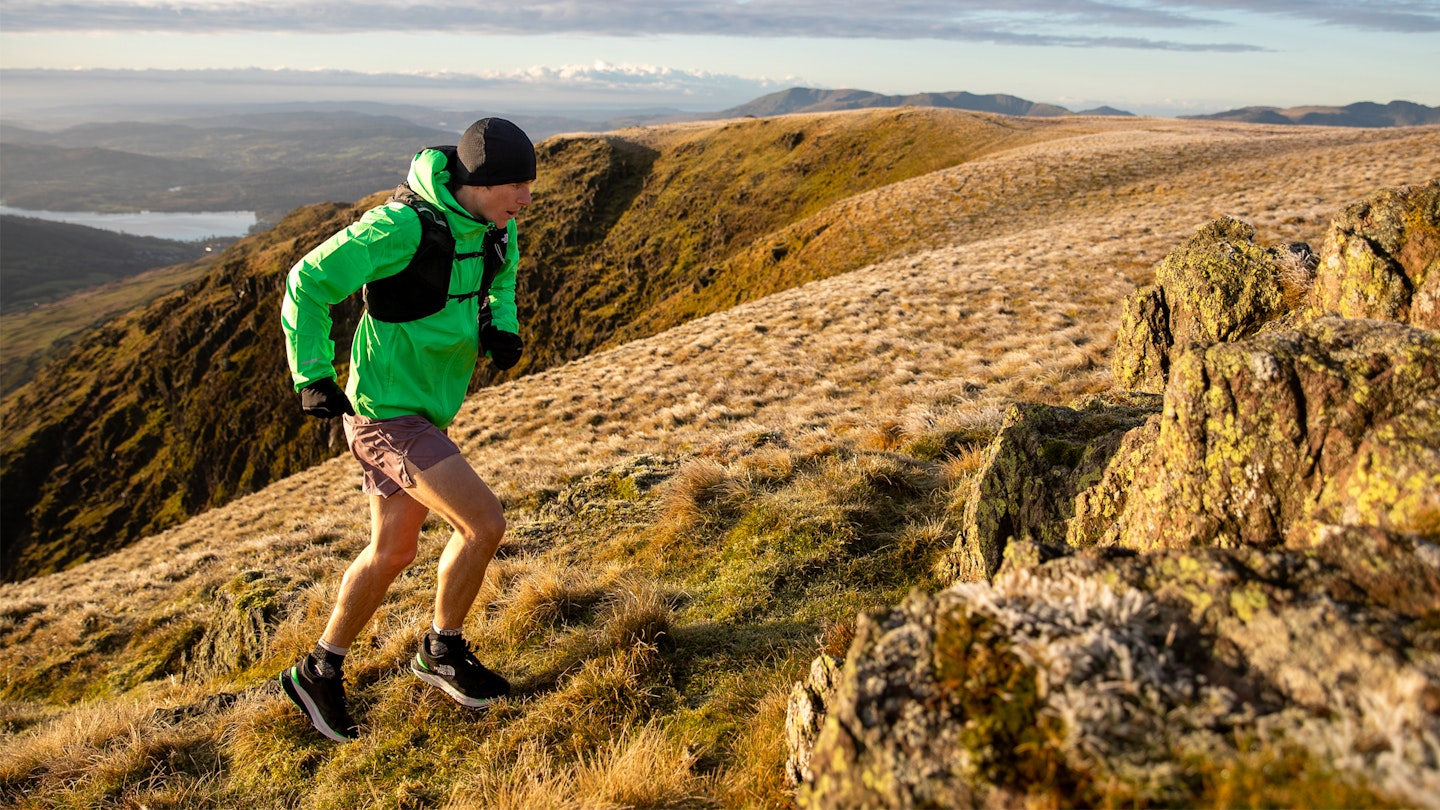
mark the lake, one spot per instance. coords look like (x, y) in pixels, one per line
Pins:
(182, 226)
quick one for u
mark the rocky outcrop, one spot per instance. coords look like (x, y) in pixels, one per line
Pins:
(1381, 258)
(1043, 458)
(1334, 423)
(1219, 286)
(1224, 596)
(1207, 677)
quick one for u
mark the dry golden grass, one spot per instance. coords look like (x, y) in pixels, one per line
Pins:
(693, 515)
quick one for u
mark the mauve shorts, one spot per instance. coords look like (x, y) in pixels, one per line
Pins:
(383, 446)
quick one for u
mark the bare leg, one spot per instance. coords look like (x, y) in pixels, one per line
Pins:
(394, 535)
(454, 490)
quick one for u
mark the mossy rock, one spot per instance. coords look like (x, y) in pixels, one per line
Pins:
(1141, 361)
(1084, 681)
(1219, 286)
(1381, 258)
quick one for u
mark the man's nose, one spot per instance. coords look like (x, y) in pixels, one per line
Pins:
(524, 196)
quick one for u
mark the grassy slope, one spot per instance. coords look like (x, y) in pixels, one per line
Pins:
(647, 217)
(693, 514)
(621, 224)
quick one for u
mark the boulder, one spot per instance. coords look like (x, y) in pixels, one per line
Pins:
(1219, 286)
(1381, 258)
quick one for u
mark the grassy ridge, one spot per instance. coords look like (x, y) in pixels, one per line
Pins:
(630, 227)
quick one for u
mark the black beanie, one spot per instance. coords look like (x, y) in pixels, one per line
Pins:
(492, 152)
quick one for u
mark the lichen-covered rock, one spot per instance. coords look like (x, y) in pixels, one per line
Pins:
(1100, 517)
(1141, 359)
(1205, 677)
(805, 712)
(1381, 258)
(1042, 456)
(1333, 423)
(1232, 601)
(1219, 286)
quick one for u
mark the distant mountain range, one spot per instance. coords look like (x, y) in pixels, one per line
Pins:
(809, 100)
(1361, 114)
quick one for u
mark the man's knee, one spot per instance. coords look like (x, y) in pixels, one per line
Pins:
(392, 561)
(487, 529)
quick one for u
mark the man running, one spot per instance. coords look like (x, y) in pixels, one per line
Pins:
(437, 264)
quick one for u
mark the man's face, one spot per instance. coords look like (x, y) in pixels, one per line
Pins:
(496, 204)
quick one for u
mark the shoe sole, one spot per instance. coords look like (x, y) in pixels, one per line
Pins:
(290, 682)
(445, 686)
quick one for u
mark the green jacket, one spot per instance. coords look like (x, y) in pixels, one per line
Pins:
(421, 367)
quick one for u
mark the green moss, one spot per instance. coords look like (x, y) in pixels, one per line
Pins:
(996, 698)
(158, 650)
(1277, 776)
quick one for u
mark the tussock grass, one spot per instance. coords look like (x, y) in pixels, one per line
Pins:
(694, 515)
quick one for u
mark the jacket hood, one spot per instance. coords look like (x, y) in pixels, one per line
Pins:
(428, 176)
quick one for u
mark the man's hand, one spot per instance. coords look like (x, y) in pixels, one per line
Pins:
(324, 399)
(504, 348)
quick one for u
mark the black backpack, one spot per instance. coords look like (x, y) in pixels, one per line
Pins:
(423, 287)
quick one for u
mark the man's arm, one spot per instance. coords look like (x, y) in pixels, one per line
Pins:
(380, 244)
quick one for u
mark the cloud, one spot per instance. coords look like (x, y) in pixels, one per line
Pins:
(1394, 16)
(1080, 23)
(598, 85)
(1129, 24)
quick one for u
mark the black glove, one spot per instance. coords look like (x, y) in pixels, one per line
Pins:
(504, 348)
(324, 399)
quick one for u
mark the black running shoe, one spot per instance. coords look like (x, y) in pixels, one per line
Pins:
(321, 698)
(446, 662)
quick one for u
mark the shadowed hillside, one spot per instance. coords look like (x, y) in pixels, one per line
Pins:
(697, 513)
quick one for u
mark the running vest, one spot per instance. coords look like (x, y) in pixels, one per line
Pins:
(423, 287)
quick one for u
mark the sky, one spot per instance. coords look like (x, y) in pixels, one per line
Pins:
(1150, 57)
